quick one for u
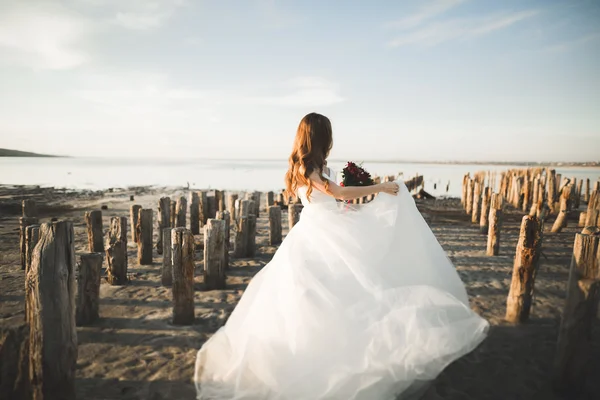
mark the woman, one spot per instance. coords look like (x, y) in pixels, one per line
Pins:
(359, 302)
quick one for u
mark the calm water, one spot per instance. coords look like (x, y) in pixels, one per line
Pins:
(100, 173)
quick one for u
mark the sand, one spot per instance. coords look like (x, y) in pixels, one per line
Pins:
(133, 351)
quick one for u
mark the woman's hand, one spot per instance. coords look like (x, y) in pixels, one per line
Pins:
(390, 188)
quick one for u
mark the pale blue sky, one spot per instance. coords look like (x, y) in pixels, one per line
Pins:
(407, 80)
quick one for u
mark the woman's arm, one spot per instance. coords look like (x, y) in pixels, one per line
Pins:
(352, 192)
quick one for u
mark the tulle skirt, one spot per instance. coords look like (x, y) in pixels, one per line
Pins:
(359, 302)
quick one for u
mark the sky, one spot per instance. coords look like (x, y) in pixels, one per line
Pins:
(432, 80)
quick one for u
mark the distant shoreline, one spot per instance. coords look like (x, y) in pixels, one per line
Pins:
(18, 153)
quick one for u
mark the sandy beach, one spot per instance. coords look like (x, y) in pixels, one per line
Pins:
(133, 351)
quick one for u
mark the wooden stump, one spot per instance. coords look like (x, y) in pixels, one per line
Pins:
(14, 359)
(274, 225)
(195, 213)
(586, 194)
(214, 254)
(88, 293)
(251, 246)
(173, 216)
(144, 229)
(29, 208)
(134, 213)
(485, 210)
(116, 251)
(573, 347)
(224, 216)
(182, 244)
(279, 200)
(164, 221)
(476, 216)
(231, 199)
(95, 234)
(50, 297)
(219, 201)
(526, 194)
(561, 219)
(167, 264)
(203, 208)
(294, 214)
(24, 222)
(244, 208)
(181, 212)
(469, 199)
(241, 237)
(495, 221)
(518, 303)
(578, 194)
(551, 186)
(270, 200)
(582, 219)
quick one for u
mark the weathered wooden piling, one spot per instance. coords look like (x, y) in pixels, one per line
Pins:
(50, 296)
(294, 211)
(194, 213)
(582, 219)
(573, 348)
(242, 233)
(251, 246)
(495, 222)
(181, 212)
(586, 194)
(204, 211)
(518, 303)
(561, 218)
(134, 213)
(173, 222)
(116, 251)
(164, 221)
(32, 236)
(526, 194)
(95, 234)
(551, 187)
(269, 200)
(24, 222)
(166, 276)
(214, 254)
(183, 250)
(476, 212)
(274, 225)
(225, 216)
(578, 194)
(469, 198)
(231, 199)
(219, 201)
(29, 208)
(485, 210)
(145, 231)
(88, 293)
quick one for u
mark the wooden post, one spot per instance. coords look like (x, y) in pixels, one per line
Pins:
(586, 194)
(116, 251)
(88, 293)
(593, 209)
(173, 214)
(29, 208)
(95, 234)
(294, 211)
(526, 194)
(231, 198)
(274, 225)
(219, 201)
(251, 247)
(536, 187)
(182, 244)
(476, 216)
(14, 359)
(485, 210)
(518, 303)
(582, 219)
(279, 199)
(144, 229)
(270, 200)
(181, 212)
(50, 297)
(244, 208)
(32, 236)
(214, 252)
(551, 186)
(203, 208)
(573, 349)
(578, 194)
(195, 213)
(469, 199)
(166, 278)
(224, 216)
(164, 221)
(134, 215)
(241, 236)
(495, 221)
(561, 218)
(463, 198)
(24, 222)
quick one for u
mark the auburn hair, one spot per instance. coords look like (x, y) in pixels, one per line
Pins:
(312, 145)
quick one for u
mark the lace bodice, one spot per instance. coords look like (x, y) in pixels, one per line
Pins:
(317, 197)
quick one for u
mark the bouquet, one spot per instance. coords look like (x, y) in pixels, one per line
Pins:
(355, 175)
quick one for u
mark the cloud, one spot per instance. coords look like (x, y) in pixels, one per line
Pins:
(428, 11)
(42, 36)
(303, 91)
(439, 32)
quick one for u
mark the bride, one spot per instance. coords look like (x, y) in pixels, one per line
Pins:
(359, 302)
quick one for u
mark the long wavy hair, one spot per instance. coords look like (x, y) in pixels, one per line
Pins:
(312, 145)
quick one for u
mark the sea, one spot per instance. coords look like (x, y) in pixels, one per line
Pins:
(236, 175)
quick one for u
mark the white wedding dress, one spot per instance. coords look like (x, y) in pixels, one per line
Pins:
(358, 303)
